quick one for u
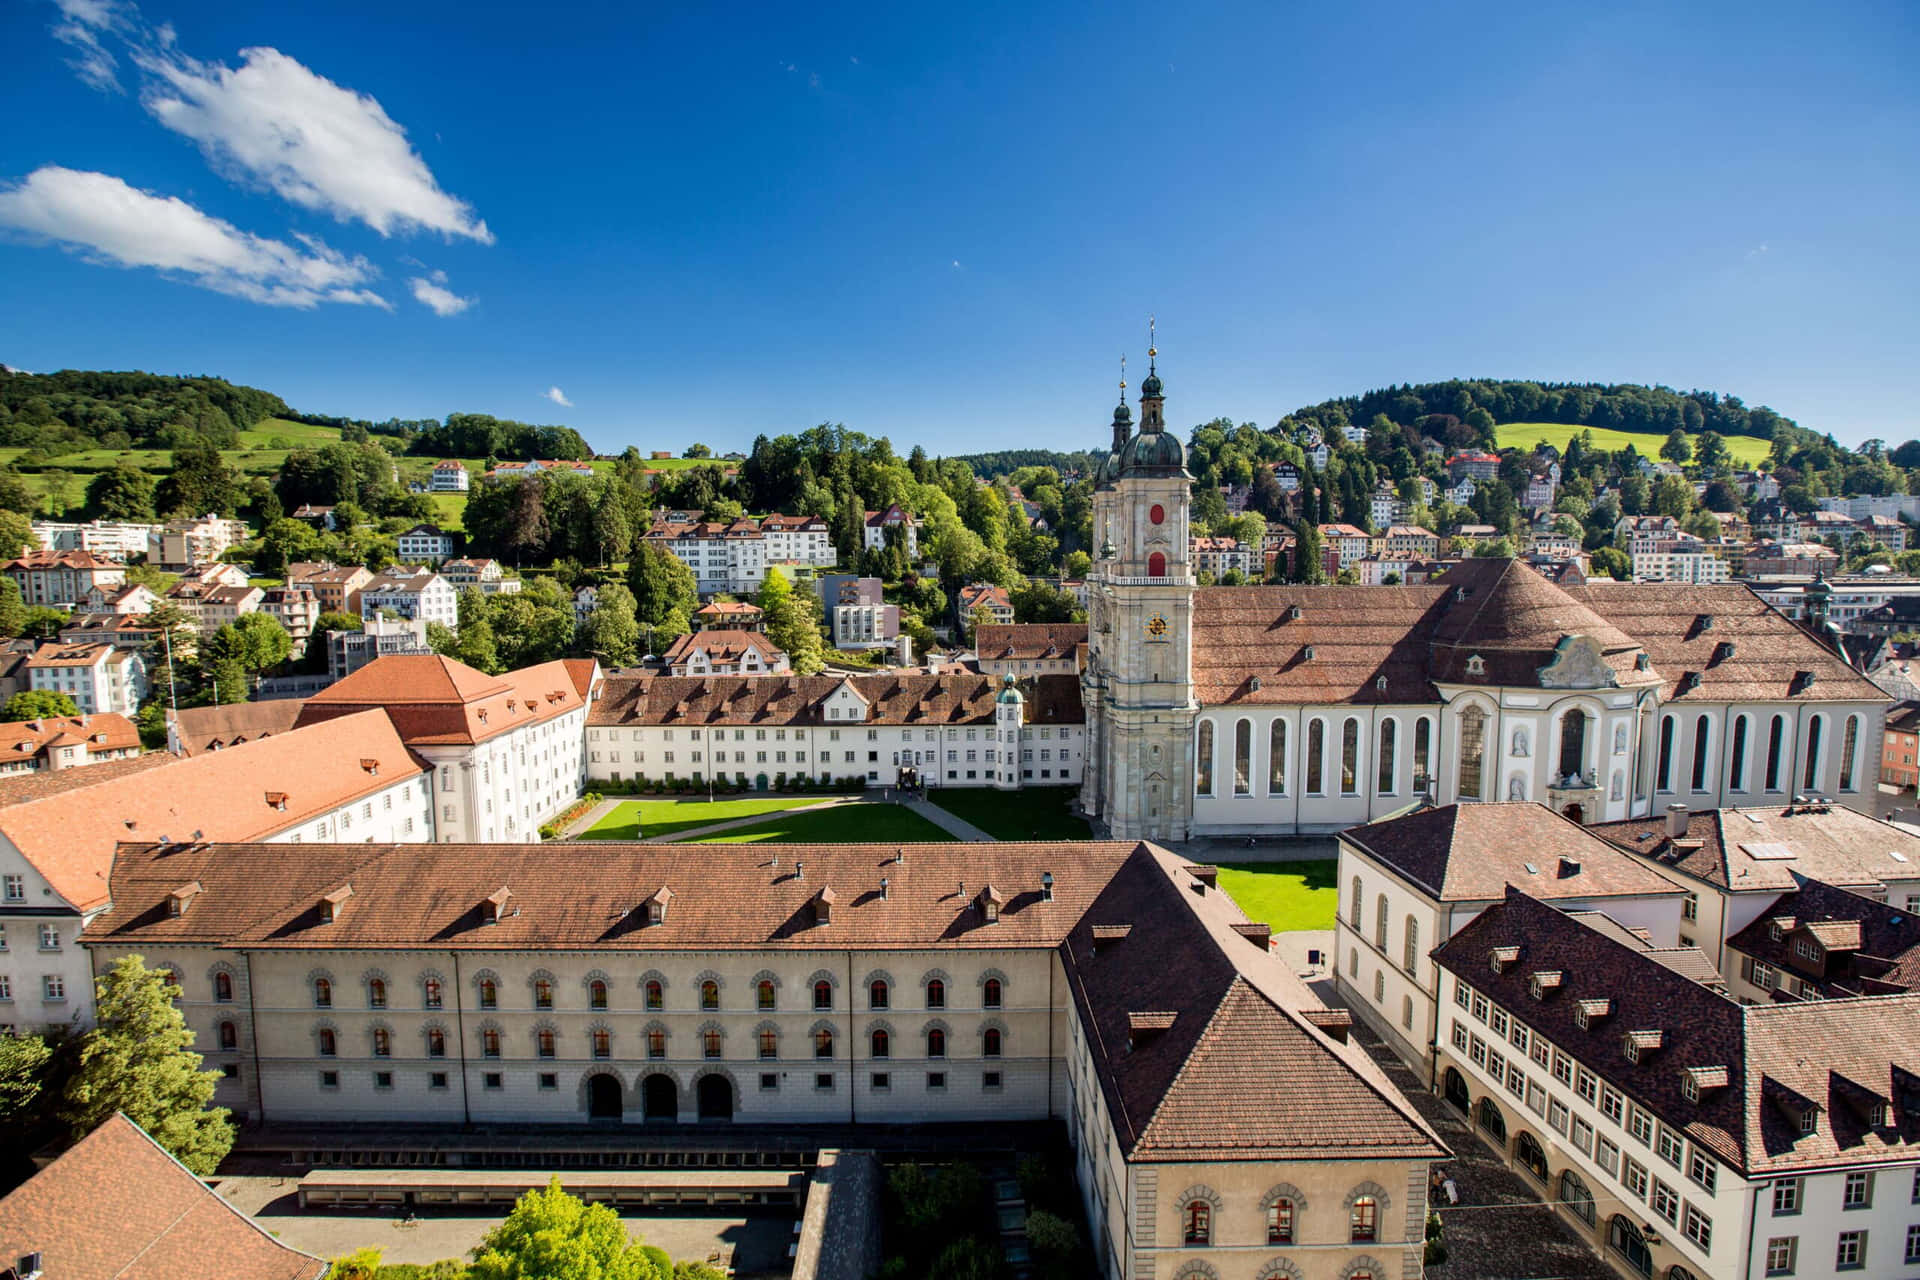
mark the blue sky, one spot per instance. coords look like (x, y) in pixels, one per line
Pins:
(946, 223)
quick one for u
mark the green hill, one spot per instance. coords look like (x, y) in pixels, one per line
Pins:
(1746, 450)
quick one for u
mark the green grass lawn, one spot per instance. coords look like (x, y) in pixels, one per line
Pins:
(449, 510)
(1746, 450)
(633, 819)
(1036, 813)
(1285, 895)
(842, 824)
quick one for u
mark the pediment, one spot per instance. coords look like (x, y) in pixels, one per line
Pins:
(1578, 663)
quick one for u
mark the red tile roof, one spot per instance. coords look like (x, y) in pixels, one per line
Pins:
(1827, 842)
(721, 645)
(433, 699)
(116, 1206)
(904, 698)
(101, 731)
(1029, 640)
(203, 729)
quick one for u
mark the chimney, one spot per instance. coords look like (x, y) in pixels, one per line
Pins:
(799, 869)
(883, 888)
(1676, 821)
(1046, 886)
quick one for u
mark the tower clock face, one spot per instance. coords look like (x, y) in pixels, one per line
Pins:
(1157, 626)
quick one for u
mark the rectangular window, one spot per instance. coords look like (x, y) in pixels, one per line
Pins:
(882, 1082)
(383, 1079)
(1606, 1155)
(1633, 1176)
(1701, 1169)
(1459, 1035)
(1479, 1006)
(1851, 1253)
(1781, 1254)
(1562, 1067)
(936, 1079)
(1478, 1052)
(1859, 1192)
(990, 1080)
(53, 987)
(1557, 1115)
(1913, 1244)
(549, 1081)
(1665, 1201)
(1587, 1086)
(1462, 994)
(1499, 1022)
(823, 1081)
(1669, 1146)
(1699, 1229)
(1786, 1197)
(436, 1080)
(1640, 1125)
(16, 888)
(49, 937)
(1536, 1098)
(1612, 1105)
(492, 1080)
(1516, 1082)
(329, 1079)
(1582, 1135)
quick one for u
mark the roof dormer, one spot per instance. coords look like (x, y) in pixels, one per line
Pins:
(332, 903)
(990, 900)
(494, 905)
(1545, 983)
(1501, 958)
(654, 909)
(1697, 1082)
(1587, 1012)
(1639, 1045)
(823, 904)
(1106, 936)
(1145, 1027)
(177, 899)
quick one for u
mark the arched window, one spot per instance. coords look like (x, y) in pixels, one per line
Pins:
(223, 987)
(936, 994)
(1489, 1117)
(1355, 902)
(1575, 1194)
(489, 994)
(1663, 775)
(329, 1042)
(1379, 986)
(990, 1043)
(1389, 734)
(1702, 729)
(382, 1043)
(436, 1043)
(1737, 755)
(656, 994)
(936, 1043)
(1531, 1155)
(229, 1036)
(1422, 752)
(823, 1042)
(1350, 757)
(1277, 758)
(823, 994)
(1243, 757)
(1573, 744)
(322, 993)
(1406, 1012)
(597, 994)
(1380, 921)
(763, 994)
(769, 1043)
(1473, 754)
(376, 993)
(877, 1046)
(544, 1039)
(1410, 960)
(710, 1042)
(1199, 1223)
(1280, 1222)
(1776, 745)
(602, 1043)
(543, 993)
(709, 994)
(1849, 746)
(990, 994)
(1363, 1220)
(489, 1043)
(877, 994)
(1203, 759)
(1316, 757)
(1624, 1238)
(1157, 565)
(656, 1042)
(1811, 781)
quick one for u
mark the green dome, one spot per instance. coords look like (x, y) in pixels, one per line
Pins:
(1121, 413)
(1008, 693)
(1153, 453)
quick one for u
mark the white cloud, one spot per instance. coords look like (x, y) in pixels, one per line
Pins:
(313, 142)
(84, 22)
(435, 294)
(114, 224)
(559, 397)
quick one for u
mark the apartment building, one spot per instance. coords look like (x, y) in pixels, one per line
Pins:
(984, 595)
(1218, 556)
(336, 587)
(1030, 648)
(723, 557)
(424, 544)
(61, 579)
(98, 677)
(484, 574)
(295, 608)
(421, 594)
(719, 652)
(449, 476)
(109, 539)
(180, 545)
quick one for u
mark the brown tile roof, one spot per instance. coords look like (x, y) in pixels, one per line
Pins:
(905, 699)
(1345, 641)
(69, 837)
(18, 788)
(434, 699)
(1232, 1038)
(203, 729)
(1808, 1049)
(721, 645)
(102, 731)
(728, 608)
(1879, 945)
(116, 1206)
(1904, 717)
(1472, 852)
(1030, 640)
(1826, 842)
(70, 655)
(43, 559)
(1514, 619)
(724, 896)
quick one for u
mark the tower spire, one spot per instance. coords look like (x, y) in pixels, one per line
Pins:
(1152, 350)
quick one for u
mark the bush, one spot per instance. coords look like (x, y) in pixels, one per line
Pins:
(1051, 1234)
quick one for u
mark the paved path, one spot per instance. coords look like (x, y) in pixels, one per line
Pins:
(958, 828)
(590, 817)
(1500, 1230)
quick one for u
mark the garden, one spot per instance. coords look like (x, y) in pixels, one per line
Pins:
(1285, 895)
(841, 824)
(1033, 813)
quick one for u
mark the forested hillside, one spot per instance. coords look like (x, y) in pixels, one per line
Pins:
(1615, 406)
(74, 410)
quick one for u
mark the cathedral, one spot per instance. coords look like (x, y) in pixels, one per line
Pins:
(1276, 710)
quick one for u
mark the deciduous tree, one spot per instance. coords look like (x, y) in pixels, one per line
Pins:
(33, 704)
(551, 1235)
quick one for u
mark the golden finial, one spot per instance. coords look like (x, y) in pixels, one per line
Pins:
(1123, 375)
(1152, 350)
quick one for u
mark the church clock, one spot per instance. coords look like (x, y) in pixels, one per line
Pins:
(1157, 626)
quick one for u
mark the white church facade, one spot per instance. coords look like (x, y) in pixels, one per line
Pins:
(1309, 709)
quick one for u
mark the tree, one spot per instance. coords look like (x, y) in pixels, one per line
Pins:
(1678, 448)
(551, 1235)
(256, 641)
(13, 610)
(36, 704)
(1308, 553)
(697, 451)
(1712, 449)
(229, 682)
(16, 534)
(613, 629)
(23, 1074)
(139, 1059)
(1613, 562)
(792, 622)
(661, 584)
(123, 493)
(1076, 566)
(977, 617)
(199, 484)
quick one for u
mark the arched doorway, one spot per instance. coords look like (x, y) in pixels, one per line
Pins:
(605, 1097)
(1456, 1091)
(1624, 1238)
(1577, 812)
(660, 1098)
(760, 782)
(1531, 1155)
(714, 1094)
(1489, 1118)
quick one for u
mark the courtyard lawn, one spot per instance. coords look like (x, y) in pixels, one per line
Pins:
(635, 819)
(1285, 895)
(842, 824)
(1036, 813)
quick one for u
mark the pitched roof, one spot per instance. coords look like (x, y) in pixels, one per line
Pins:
(1029, 640)
(1879, 944)
(18, 788)
(1514, 620)
(43, 559)
(901, 698)
(69, 837)
(70, 655)
(117, 1206)
(433, 699)
(102, 731)
(203, 729)
(721, 645)
(728, 608)
(1766, 850)
(1472, 852)
(1827, 1052)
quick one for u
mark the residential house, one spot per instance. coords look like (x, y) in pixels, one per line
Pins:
(1223, 555)
(218, 606)
(1287, 476)
(728, 615)
(65, 742)
(798, 540)
(485, 574)
(1790, 559)
(424, 544)
(1410, 541)
(449, 476)
(337, 588)
(61, 579)
(1342, 544)
(1822, 942)
(874, 534)
(725, 653)
(726, 556)
(421, 594)
(378, 637)
(98, 677)
(1030, 648)
(1683, 558)
(1475, 464)
(984, 595)
(585, 601)
(1900, 747)
(296, 609)
(126, 598)
(537, 466)
(180, 545)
